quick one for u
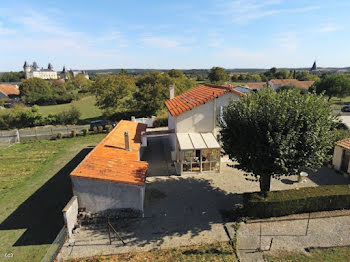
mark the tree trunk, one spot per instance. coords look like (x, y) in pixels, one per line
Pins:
(265, 182)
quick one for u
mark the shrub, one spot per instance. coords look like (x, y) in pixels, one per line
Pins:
(303, 200)
(160, 121)
(85, 131)
(68, 117)
(109, 128)
(73, 133)
(94, 129)
(59, 135)
(100, 129)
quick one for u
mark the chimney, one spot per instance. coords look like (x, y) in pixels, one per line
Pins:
(171, 91)
(127, 141)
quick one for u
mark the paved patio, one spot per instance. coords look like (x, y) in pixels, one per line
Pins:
(179, 211)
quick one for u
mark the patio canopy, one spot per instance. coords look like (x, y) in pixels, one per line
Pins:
(191, 141)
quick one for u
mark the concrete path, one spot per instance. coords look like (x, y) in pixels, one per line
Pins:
(292, 233)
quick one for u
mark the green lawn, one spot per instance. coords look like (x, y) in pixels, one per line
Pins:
(34, 187)
(85, 105)
(205, 253)
(338, 254)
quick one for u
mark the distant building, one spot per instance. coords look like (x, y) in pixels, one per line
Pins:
(73, 73)
(33, 70)
(274, 84)
(314, 67)
(8, 91)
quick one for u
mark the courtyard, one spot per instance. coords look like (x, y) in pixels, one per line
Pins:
(180, 210)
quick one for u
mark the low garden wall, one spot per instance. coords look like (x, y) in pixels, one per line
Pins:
(303, 200)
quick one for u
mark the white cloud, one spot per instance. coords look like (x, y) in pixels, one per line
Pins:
(288, 41)
(6, 31)
(160, 42)
(240, 11)
(329, 28)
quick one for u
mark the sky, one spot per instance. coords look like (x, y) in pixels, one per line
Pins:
(103, 34)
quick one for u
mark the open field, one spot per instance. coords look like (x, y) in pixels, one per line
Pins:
(211, 252)
(34, 187)
(337, 254)
(85, 105)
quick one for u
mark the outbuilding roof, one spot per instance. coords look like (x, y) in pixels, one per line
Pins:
(110, 160)
(197, 96)
(9, 89)
(295, 82)
(345, 143)
(256, 85)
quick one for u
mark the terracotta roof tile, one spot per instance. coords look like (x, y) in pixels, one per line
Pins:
(345, 143)
(197, 96)
(256, 85)
(109, 160)
(9, 89)
(295, 82)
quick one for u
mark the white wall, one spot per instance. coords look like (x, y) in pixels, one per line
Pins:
(70, 214)
(337, 157)
(98, 195)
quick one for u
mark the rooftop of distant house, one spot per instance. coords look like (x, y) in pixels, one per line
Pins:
(294, 82)
(197, 96)
(9, 89)
(111, 161)
(344, 143)
(256, 85)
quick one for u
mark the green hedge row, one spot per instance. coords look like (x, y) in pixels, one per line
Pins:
(303, 200)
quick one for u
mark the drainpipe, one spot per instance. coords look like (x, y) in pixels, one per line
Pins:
(171, 91)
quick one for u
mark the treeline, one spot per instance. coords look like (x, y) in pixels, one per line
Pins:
(36, 91)
(121, 96)
(21, 117)
(12, 76)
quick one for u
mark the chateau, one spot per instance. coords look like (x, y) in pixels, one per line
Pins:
(33, 70)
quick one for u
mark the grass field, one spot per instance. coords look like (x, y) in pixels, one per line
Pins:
(338, 254)
(85, 105)
(204, 253)
(34, 188)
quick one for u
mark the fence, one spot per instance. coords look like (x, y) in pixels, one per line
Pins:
(37, 133)
(55, 246)
(144, 120)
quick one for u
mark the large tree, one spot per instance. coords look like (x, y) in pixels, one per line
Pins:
(36, 91)
(218, 75)
(114, 92)
(271, 134)
(333, 85)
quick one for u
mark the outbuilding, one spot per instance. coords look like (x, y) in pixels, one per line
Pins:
(112, 177)
(341, 155)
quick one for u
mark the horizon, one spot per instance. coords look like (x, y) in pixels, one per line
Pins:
(183, 35)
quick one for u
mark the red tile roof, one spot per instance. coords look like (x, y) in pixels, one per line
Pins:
(110, 161)
(9, 89)
(345, 143)
(197, 96)
(256, 85)
(295, 82)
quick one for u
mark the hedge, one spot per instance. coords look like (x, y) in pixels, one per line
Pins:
(294, 201)
(160, 121)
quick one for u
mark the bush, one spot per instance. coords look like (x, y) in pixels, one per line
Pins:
(303, 200)
(100, 129)
(59, 135)
(109, 128)
(85, 131)
(69, 117)
(73, 133)
(94, 129)
(160, 121)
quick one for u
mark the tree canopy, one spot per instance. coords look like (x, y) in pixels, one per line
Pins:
(36, 91)
(271, 139)
(333, 85)
(217, 75)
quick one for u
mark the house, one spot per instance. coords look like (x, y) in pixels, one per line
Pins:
(341, 155)
(8, 91)
(194, 117)
(274, 84)
(112, 177)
